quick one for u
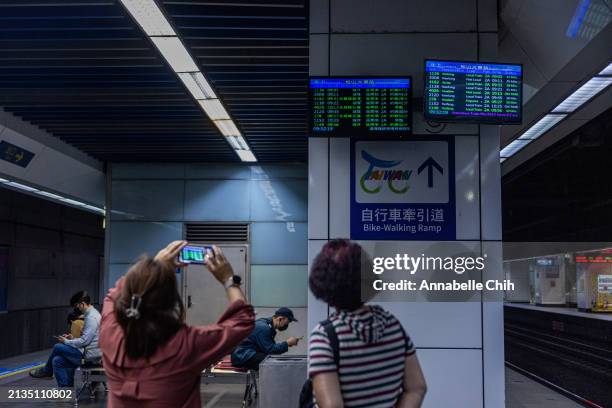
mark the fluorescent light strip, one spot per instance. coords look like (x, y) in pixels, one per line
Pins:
(513, 147)
(246, 155)
(51, 196)
(214, 109)
(197, 85)
(578, 98)
(96, 209)
(238, 143)
(153, 22)
(234, 143)
(73, 202)
(541, 126)
(243, 144)
(583, 94)
(227, 127)
(21, 186)
(149, 16)
(607, 70)
(175, 53)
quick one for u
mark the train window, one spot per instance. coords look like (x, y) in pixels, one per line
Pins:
(4, 252)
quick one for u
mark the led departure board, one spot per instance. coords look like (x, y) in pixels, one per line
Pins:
(360, 106)
(474, 92)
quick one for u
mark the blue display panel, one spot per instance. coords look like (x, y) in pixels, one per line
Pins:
(360, 106)
(473, 92)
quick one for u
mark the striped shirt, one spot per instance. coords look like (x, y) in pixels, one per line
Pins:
(372, 351)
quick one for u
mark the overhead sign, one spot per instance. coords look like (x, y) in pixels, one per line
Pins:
(15, 154)
(475, 92)
(403, 190)
(360, 106)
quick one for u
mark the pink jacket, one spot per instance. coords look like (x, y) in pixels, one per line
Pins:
(171, 377)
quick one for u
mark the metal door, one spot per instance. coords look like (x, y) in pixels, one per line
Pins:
(204, 297)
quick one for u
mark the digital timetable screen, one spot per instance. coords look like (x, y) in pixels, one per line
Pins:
(474, 92)
(360, 106)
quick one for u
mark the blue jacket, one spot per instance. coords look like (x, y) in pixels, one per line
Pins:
(261, 340)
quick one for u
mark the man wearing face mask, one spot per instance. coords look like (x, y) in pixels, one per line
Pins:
(68, 353)
(260, 343)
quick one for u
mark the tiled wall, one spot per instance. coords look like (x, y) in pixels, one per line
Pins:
(53, 252)
(150, 203)
(392, 37)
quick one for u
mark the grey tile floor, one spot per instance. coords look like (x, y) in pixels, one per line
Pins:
(521, 392)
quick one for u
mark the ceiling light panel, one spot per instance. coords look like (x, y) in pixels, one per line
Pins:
(227, 127)
(214, 109)
(96, 209)
(21, 186)
(541, 126)
(50, 195)
(513, 147)
(155, 24)
(607, 70)
(175, 53)
(583, 94)
(246, 155)
(238, 143)
(149, 16)
(197, 85)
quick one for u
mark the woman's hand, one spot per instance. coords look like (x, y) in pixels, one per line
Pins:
(169, 255)
(218, 265)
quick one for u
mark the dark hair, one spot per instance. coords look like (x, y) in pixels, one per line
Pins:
(335, 274)
(160, 314)
(80, 296)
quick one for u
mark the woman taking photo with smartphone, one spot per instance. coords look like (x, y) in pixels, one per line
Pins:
(151, 357)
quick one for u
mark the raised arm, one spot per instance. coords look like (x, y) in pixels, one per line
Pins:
(213, 342)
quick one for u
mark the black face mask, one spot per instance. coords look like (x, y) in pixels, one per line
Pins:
(283, 328)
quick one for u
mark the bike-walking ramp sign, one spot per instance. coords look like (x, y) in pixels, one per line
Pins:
(403, 189)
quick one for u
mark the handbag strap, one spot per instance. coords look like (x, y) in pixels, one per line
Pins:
(330, 330)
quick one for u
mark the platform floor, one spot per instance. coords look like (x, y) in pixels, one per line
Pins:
(521, 392)
(563, 310)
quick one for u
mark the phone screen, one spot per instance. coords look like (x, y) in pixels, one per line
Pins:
(193, 255)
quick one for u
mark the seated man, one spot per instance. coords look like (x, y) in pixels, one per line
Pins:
(252, 351)
(68, 353)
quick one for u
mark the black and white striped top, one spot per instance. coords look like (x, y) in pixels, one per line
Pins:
(372, 349)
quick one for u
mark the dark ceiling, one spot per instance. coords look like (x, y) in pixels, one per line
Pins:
(564, 194)
(85, 72)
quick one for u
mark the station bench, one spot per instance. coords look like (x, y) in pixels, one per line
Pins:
(222, 372)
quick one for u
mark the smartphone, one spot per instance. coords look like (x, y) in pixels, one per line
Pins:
(193, 254)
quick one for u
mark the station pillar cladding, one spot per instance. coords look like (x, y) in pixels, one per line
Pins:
(460, 344)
